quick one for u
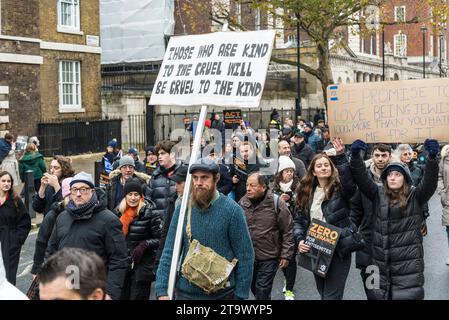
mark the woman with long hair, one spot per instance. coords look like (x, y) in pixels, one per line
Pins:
(15, 224)
(397, 249)
(324, 194)
(404, 153)
(50, 189)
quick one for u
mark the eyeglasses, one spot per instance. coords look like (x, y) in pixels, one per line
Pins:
(83, 191)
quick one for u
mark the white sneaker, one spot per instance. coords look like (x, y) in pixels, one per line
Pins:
(289, 295)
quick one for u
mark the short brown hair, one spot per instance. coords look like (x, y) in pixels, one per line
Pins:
(9, 137)
(165, 145)
(382, 148)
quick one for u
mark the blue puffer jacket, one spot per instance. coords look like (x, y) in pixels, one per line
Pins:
(5, 147)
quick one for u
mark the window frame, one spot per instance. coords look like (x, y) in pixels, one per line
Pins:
(396, 8)
(76, 87)
(396, 46)
(75, 27)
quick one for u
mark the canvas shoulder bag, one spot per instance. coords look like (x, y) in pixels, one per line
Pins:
(204, 267)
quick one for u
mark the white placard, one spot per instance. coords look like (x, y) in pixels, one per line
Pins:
(221, 69)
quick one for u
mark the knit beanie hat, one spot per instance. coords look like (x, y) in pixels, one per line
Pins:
(112, 143)
(126, 161)
(83, 177)
(133, 185)
(65, 186)
(286, 163)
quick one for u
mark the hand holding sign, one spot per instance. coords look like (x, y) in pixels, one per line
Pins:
(303, 248)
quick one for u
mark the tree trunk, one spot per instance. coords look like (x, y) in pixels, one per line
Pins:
(325, 77)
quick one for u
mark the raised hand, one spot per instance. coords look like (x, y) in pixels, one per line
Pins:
(357, 146)
(338, 145)
(432, 147)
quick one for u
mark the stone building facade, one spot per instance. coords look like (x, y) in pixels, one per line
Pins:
(49, 63)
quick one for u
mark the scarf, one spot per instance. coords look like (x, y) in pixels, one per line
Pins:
(127, 217)
(286, 187)
(79, 212)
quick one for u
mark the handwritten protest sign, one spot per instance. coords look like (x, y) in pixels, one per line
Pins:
(222, 69)
(322, 238)
(407, 111)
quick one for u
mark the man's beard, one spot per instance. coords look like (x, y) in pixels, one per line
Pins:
(202, 196)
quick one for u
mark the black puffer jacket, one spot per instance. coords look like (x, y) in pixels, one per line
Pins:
(417, 174)
(397, 248)
(44, 234)
(146, 227)
(44, 205)
(98, 230)
(336, 212)
(161, 188)
(171, 206)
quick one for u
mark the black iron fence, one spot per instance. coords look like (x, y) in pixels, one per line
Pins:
(77, 136)
(258, 119)
(137, 126)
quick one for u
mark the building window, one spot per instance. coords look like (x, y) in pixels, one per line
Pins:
(69, 85)
(399, 14)
(400, 45)
(69, 14)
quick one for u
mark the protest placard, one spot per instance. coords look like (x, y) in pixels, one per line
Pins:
(408, 111)
(322, 238)
(222, 69)
(232, 118)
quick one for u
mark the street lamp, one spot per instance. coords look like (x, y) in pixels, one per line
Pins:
(424, 29)
(441, 54)
(383, 53)
(298, 88)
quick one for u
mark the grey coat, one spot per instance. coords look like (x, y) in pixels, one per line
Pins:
(443, 184)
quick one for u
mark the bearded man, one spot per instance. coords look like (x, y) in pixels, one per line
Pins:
(218, 223)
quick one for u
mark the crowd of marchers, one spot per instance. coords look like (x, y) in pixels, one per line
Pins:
(252, 200)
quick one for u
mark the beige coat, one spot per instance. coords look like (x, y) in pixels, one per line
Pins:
(11, 165)
(443, 184)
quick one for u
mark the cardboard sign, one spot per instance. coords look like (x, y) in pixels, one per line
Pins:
(222, 69)
(323, 239)
(232, 118)
(408, 111)
(104, 180)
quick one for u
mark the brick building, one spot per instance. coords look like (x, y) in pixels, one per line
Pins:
(49, 63)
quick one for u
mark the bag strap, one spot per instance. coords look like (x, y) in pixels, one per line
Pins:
(188, 228)
(276, 203)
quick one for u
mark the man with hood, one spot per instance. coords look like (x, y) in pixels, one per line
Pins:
(87, 223)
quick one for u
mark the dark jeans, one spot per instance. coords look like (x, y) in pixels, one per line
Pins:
(333, 286)
(368, 292)
(263, 277)
(290, 272)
